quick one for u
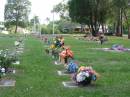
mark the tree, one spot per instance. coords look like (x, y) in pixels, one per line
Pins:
(119, 7)
(127, 23)
(90, 12)
(35, 23)
(62, 9)
(16, 12)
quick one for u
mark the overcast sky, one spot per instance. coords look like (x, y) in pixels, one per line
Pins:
(2, 3)
(41, 8)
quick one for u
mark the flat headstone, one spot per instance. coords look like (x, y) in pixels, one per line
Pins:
(70, 84)
(7, 83)
(62, 73)
(21, 48)
(57, 63)
(16, 63)
(128, 49)
(107, 49)
(100, 48)
(18, 51)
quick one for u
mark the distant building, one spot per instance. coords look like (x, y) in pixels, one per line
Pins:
(80, 29)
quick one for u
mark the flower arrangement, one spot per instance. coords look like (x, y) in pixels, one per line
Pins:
(72, 67)
(85, 75)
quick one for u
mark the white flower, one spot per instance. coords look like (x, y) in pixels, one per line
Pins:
(3, 70)
(5, 55)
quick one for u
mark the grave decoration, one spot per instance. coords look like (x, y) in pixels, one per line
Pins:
(55, 46)
(2, 71)
(59, 41)
(118, 47)
(85, 75)
(65, 55)
(72, 67)
(16, 43)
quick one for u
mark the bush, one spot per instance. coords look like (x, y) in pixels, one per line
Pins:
(6, 59)
(48, 30)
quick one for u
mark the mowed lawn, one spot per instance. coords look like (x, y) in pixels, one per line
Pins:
(6, 42)
(40, 79)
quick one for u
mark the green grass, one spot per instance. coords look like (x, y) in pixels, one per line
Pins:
(6, 42)
(40, 78)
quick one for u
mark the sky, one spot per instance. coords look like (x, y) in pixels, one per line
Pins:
(41, 8)
(2, 3)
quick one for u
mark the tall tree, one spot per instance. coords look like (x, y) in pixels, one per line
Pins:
(62, 9)
(119, 6)
(16, 12)
(127, 19)
(35, 23)
(91, 12)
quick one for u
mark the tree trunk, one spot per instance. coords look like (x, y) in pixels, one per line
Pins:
(118, 30)
(129, 32)
(82, 28)
(92, 27)
(119, 24)
(103, 29)
(93, 30)
(127, 24)
(17, 20)
(16, 27)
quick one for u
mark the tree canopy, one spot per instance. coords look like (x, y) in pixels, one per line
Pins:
(96, 13)
(16, 13)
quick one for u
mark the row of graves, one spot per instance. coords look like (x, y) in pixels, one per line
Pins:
(102, 39)
(9, 58)
(81, 75)
(88, 37)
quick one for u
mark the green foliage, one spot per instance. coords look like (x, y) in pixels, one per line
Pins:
(65, 26)
(6, 59)
(48, 29)
(96, 13)
(119, 9)
(90, 12)
(62, 9)
(35, 20)
(16, 13)
(45, 30)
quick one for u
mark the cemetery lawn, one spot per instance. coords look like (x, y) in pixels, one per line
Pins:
(40, 78)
